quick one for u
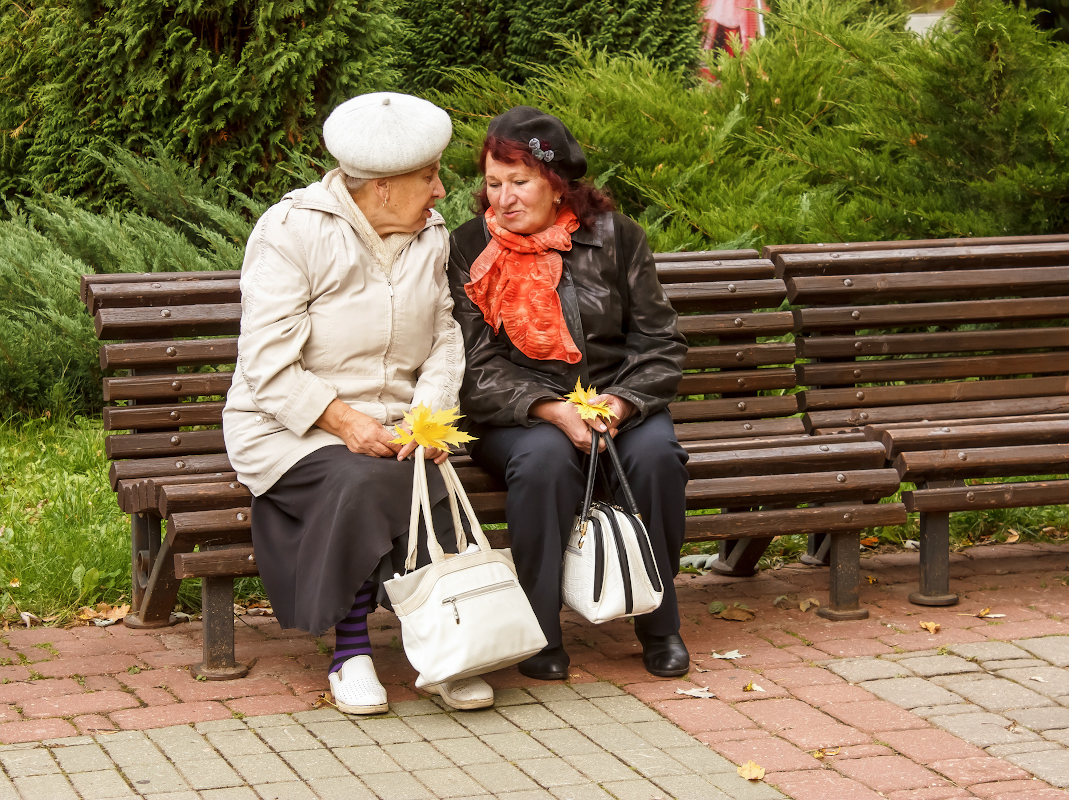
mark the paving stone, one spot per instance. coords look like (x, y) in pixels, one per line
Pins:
(700, 759)
(601, 767)
(466, 752)
(889, 773)
(652, 763)
(82, 758)
(319, 715)
(597, 689)
(994, 694)
(1051, 766)
(582, 791)
(513, 746)
(366, 760)
(283, 738)
(105, 784)
(1020, 663)
(625, 708)
(144, 765)
(338, 733)
(237, 793)
(292, 790)
(910, 692)
(690, 787)
(45, 787)
(1052, 682)
(417, 755)
(911, 654)
(500, 777)
(1001, 750)
(551, 771)
(927, 712)
(633, 790)
(309, 764)
(237, 742)
(449, 782)
(390, 731)
(216, 725)
(415, 708)
(554, 693)
(616, 738)
(208, 773)
(1041, 719)
(1059, 735)
(397, 786)
(983, 769)
(661, 733)
(514, 697)
(269, 721)
(348, 788)
(484, 722)
(739, 788)
(532, 717)
(566, 742)
(437, 726)
(983, 729)
(579, 713)
(867, 669)
(929, 666)
(262, 768)
(988, 651)
(875, 715)
(1054, 649)
(927, 746)
(23, 763)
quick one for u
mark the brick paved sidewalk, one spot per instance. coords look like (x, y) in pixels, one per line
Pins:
(875, 708)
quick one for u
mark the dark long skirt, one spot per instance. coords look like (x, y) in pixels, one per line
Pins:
(545, 477)
(333, 521)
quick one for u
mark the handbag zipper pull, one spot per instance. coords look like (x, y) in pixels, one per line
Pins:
(456, 613)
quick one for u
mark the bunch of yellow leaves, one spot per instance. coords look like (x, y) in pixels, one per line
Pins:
(431, 428)
(581, 398)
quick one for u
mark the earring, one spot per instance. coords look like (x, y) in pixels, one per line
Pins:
(557, 201)
(384, 202)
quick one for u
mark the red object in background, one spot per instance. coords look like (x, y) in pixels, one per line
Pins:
(726, 19)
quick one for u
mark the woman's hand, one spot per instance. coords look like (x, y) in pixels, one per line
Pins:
(565, 416)
(362, 434)
(621, 410)
(433, 453)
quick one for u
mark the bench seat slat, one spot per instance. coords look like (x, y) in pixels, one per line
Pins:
(930, 393)
(740, 269)
(735, 325)
(1014, 406)
(173, 415)
(224, 526)
(706, 255)
(163, 467)
(945, 437)
(832, 456)
(982, 462)
(789, 521)
(726, 295)
(737, 429)
(927, 314)
(886, 287)
(88, 281)
(792, 489)
(186, 497)
(741, 355)
(153, 387)
(991, 495)
(149, 445)
(224, 562)
(737, 381)
(941, 342)
(193, 352)
(219, 319)
(874, 432)
(921, 369)
(144, 294)
(731, 408)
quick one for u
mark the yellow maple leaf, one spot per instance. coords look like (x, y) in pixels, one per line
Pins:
(431, 428)
(751, 771)
(931, 627)
(581, 398)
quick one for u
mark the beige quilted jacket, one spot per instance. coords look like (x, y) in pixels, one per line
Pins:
(328, 310)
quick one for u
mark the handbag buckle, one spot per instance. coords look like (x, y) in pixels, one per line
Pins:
(582, 533)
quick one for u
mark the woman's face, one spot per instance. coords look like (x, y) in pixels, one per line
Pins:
(523, 200)
(411, 198)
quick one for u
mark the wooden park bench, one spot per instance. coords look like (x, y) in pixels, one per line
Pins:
(172, 341)
(955, 358)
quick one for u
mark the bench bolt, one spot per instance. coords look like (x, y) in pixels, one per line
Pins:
(165, 313)
(176, 440)
(234, 485)
(718, 263)
(864, 415)
(824, 448)
(738, 322)
(739, 356)
(179, 464)
(741, 381)
(970, 496)
(741, 406)
(855, 315)
(840, 478)
(834, 255)
(746, 426)
(155, 286)
(176, 385)
(731, 288)
(174, 415)
(171, 351)
(241, 516)
(848, 282)
(945, 430)
(847, 516)
(857, 373)
(962, 457)
(860, 395)
(857, 345)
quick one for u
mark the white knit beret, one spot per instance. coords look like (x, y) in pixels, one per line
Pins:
(384, 133)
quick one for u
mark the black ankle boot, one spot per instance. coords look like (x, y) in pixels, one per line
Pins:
(549, 665)
(664, 656)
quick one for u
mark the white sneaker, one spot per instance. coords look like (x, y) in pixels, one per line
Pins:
(464, 694)
(356, 687)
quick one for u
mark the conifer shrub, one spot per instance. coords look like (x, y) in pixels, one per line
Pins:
(235, 88)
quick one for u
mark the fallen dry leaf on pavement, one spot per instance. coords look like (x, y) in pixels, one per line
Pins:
(811, 602)
(730, 655)
(931, 627)
(825, 752)
(871, 580)
(736, 612)
(1037, 678)
(29, 620)
(751, 771)
(323, 702)
(1012, 536)
(698, 691)
(870, 541)
(752, 687)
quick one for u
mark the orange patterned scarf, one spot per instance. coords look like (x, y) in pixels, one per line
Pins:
(514, 283)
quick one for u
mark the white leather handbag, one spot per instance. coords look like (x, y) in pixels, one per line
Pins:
(609, 570)
(461, 615)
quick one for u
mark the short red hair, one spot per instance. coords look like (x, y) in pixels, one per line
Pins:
(582, 198)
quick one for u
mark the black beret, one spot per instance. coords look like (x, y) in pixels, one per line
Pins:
(548, 138)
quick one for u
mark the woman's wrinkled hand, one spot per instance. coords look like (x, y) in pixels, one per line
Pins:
(362, 434)
(621, 410)
(565, 416)
(432, 453)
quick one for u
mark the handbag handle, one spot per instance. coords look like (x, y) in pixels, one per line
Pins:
(421, 500)
(614, 457)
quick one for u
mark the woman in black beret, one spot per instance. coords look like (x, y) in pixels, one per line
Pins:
(551, 286)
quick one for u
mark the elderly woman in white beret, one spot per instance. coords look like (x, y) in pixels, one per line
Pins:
(346, 324)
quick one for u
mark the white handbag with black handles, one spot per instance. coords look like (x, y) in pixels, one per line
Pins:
(461, 615)
(609, 569)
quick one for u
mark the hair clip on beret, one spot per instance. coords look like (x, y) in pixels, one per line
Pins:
(537, 151)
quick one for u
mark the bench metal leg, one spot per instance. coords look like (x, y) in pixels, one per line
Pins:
(145, 535)
(934, 587)
(844, 579)
(739, 557)
(217, 600)
(818, 550)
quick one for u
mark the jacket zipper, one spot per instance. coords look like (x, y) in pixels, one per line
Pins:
(389, 340)
(493, 587)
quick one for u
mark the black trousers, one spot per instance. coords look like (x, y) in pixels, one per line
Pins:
(544, 473)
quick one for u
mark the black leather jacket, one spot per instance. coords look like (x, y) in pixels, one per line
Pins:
(615, 309)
